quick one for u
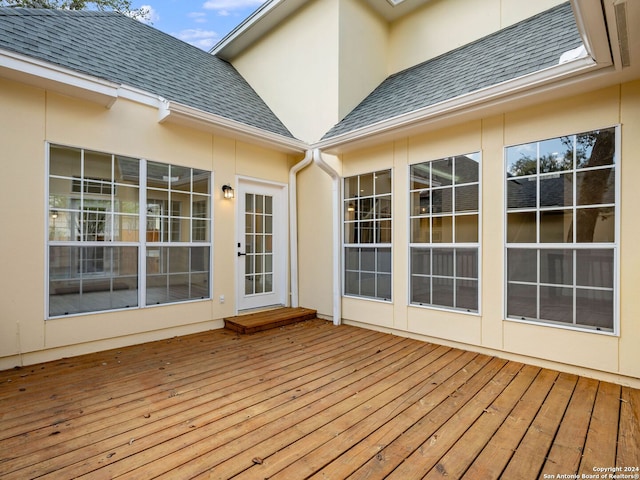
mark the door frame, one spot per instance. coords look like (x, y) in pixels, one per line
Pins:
(280, 192)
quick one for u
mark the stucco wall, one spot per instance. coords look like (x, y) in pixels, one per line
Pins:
(294, 68)
(30, 118)
(586, 352)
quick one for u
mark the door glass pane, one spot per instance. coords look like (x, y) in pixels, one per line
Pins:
(259, 203)
(258, 265)
(248, 204)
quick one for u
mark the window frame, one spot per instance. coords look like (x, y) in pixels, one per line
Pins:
(112, 246)
(456, 247)
(376, 246)
(574, 247)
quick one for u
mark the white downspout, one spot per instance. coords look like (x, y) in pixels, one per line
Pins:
(337, 272)
(293, 225)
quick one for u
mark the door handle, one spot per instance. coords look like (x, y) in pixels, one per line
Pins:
(240, 254)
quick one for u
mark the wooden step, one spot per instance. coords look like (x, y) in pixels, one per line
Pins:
(268, 319)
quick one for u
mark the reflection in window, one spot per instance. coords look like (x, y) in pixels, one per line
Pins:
(561, 217)
(94, 241)
(445, 232)
(367, 235)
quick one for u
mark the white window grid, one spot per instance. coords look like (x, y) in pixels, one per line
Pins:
(80, 223)
(435, 242)
(572, 245)
(368, 233)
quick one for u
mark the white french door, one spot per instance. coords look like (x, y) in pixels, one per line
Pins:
(262, 244)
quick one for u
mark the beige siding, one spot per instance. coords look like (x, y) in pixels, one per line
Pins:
(299, 58)
(562, 348)
(22, 129)
(131, 129)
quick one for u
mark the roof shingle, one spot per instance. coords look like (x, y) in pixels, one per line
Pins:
(114, 47)
(523, 48)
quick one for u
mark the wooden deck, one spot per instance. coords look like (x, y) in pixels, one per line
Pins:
(266, 320)
(309, 400)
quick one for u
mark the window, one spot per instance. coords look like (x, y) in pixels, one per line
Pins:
(444, 222)
(95, 241)
(367, 235)
(561, 230)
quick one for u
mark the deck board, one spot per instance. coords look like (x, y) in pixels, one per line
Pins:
(307, 400)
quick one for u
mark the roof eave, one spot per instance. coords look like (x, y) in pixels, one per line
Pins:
(483, 101)
(37, 73)
(180, 114)
(48, 76)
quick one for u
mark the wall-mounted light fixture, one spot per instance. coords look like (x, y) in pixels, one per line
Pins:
(54, 214)
(227, 191)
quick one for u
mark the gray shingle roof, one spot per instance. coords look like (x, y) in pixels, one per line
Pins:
(526, 47)
(114, 47)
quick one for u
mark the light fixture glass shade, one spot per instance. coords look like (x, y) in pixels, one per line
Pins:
(227, 191)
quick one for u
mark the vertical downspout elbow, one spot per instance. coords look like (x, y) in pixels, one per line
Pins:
(293, 225)
(337, 272)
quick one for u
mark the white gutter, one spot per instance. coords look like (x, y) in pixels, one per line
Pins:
(337, 273)
(41, 74)
(293, 225)
(173, 112)
(519, 87)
